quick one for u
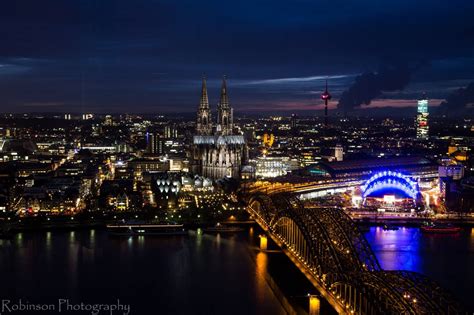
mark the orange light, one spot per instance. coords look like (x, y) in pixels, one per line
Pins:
(314, 305)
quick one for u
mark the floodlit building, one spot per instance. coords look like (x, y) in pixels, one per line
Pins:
(217, 151)
(422, 127)
(273, 166)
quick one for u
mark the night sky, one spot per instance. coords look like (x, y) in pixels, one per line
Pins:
(149, 56)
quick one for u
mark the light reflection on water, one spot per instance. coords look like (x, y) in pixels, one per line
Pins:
(261, 268)
(92, 237)
(396, 249)
(175, 275)
(199, 265)
(447, 258)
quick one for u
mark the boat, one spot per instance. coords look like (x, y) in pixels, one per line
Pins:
(220, 228)
(440, 228)
(390, 227)
(137, 229)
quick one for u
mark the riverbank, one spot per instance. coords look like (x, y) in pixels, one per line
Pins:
(100, 221)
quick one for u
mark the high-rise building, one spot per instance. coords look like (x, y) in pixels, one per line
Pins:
(294, 121)
(170, 131)
(422, 127)
(155, 144)
(217, 152)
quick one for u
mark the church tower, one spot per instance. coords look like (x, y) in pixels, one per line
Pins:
(204, 122)
(217, 153)
(225, 120)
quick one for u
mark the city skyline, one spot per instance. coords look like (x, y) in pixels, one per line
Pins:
(101, 58)
(237, 157)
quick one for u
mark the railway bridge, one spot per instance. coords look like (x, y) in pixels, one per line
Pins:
(327, 246)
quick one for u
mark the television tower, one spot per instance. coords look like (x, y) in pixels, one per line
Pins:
(326, 97)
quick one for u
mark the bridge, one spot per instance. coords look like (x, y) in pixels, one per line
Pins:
(327, 246)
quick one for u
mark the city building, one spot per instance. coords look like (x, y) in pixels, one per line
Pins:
(170, 131)
(422, 127)
(339, 153)
(417, 167)
(273, 166)
(87, 116)
(155, 143)
(294, 122)
(454, 172)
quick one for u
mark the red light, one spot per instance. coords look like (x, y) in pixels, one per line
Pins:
(326, 96)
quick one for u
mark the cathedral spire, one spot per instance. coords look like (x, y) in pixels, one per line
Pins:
(224, 102)
(224, 112)
(203, 122)
(204, 103)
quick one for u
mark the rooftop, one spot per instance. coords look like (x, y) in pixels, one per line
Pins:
(391, 163)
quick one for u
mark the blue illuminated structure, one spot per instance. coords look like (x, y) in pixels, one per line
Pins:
(390, 180)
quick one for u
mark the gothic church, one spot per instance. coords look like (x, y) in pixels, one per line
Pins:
(218, 151)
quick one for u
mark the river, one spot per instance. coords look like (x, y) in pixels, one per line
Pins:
(202, 273)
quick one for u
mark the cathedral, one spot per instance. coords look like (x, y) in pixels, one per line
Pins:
(218, 151)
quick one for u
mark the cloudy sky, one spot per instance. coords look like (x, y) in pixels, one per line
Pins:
(150, 55)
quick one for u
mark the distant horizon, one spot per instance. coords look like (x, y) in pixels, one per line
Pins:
(386, 112)
(376, 104)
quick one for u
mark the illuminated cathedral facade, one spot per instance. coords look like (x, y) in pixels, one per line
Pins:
(218, 150)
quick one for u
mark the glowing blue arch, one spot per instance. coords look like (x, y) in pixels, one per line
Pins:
(393, 180)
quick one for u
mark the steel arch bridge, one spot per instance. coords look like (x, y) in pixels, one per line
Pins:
(328, 246)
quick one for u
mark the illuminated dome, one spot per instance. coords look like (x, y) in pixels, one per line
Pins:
(390, 182)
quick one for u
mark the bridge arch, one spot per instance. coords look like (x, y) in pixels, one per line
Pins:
(366, 293)
(262, 208)
(330, 247)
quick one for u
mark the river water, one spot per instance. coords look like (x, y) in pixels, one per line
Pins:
(446, 258)
(201, 273)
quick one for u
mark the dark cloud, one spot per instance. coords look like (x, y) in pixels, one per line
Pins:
(370, 85)
(460, 102)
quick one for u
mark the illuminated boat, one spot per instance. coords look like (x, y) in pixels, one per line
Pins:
(440, 228)
(137, 229)
(219, 228)
(390, 227)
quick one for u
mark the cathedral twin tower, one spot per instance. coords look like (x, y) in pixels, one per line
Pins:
(225, 124)
(218, 152)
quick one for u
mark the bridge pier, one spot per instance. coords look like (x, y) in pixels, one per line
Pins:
(263, 242)
(314, 305)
